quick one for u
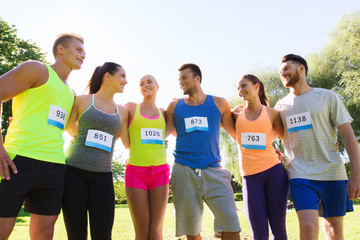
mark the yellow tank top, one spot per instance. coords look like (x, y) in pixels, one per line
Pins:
(147, 137)
(40, 115)
(256, 153)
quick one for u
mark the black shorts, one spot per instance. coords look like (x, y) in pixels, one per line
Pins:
(40, 184)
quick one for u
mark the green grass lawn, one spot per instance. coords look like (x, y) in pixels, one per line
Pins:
(123, 228)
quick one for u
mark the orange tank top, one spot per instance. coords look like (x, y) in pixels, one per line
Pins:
(256, 153)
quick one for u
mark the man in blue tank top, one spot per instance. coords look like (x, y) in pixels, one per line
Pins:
(197, 175)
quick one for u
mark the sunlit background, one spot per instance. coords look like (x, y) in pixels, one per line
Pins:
(225, 38)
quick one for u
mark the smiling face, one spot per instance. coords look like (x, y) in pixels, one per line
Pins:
(187, 81)
(148, 85)
(290, 73)
(118, 80)
(73, 53)
(247, 90)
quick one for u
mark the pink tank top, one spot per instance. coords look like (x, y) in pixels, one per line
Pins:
(254, 138)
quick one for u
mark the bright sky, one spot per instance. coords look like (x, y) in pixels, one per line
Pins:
(225, 38)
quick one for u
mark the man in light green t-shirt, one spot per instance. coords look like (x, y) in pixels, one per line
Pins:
(32, 162)
(318, 180)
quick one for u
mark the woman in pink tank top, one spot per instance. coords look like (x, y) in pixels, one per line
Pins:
(264, 178)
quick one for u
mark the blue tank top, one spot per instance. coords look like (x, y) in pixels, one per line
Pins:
(197, 128)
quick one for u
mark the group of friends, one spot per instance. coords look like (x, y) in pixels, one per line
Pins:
(34, 168)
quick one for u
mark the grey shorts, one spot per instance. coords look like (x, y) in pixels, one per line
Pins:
(192, 187)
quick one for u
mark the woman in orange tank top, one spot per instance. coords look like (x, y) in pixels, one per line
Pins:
(264, 178)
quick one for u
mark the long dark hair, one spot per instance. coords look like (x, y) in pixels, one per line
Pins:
(97, 77)
(262, 96)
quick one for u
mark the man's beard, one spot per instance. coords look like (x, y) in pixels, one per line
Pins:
(294, 78)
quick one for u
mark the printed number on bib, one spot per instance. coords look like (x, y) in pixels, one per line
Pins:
(99, 139)
(255, 141)
(57, 117)
(151, 135)
(196, 123)
(299, 122)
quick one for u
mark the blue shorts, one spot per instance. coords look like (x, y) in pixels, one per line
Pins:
(329, 197)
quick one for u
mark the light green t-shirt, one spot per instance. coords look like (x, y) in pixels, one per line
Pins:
(310, 134)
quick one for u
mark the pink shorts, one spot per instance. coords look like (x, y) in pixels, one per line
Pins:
(147, 177)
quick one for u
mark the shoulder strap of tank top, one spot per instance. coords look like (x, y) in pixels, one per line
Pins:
(117, 109)
(92, 99)
(160, 113)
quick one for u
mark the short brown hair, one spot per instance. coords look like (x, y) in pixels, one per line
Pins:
(193, 68)
(63, 39)
(296, 58)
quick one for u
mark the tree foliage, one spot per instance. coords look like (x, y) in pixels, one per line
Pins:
(335, 67)
(14, 51)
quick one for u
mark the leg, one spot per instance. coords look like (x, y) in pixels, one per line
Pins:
(138, 201)
(220, 199)
(276, 190)
(333, 228)
(6, 227)
(230, 235)
(309, 224)
(158, 198)
(255, 205)
(42, 227)
(197, 237)
(101, 206)
(188, 188)
(75, 205)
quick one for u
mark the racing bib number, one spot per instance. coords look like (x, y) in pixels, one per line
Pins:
(196, 124)
(151, 135)
(99, 139)
(299, 122)
(57, 117)
(256, 141)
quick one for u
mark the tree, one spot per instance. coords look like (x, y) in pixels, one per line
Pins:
(14, 51)
(118, 169)
(337, 65)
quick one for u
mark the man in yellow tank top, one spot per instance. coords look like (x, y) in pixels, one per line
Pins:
(32, 160)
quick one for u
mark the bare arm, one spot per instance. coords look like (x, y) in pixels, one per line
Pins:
(170, 128)
(352, 149)
(124, 132)
(72, 123)
(227, 121)
(277, 124)
(26, 75)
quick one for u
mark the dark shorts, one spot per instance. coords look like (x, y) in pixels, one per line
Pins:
(40, 184)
